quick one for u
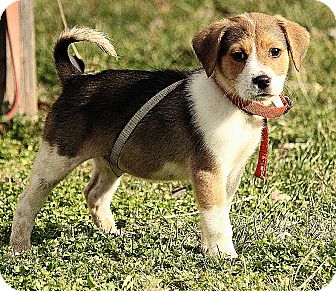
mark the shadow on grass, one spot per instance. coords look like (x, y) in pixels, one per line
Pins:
(86, 239)
(48, 232)
(4, 235)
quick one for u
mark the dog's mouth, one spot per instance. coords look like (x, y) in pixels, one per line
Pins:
(263, 96)
(269, 100)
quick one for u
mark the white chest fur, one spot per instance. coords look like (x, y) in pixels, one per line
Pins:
(229, 134)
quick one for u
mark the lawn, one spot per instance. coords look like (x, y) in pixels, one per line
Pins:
(285, 235)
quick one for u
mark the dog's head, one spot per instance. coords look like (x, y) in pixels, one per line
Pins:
(248, 54)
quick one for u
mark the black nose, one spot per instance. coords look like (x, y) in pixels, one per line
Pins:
(262, 81)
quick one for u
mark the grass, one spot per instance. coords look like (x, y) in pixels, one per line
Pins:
(288, 244)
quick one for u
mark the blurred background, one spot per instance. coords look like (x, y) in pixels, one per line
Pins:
(157, 34)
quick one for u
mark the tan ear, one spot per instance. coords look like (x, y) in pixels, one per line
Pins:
(207, 42)
(297, 38)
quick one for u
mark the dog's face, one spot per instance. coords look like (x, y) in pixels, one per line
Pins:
(248, 54)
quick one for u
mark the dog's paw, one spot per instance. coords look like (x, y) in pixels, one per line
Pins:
(105, 223)
(19, 245)
(111, 228)
(224, 248)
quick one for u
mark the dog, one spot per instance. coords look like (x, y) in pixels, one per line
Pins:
(195, 132)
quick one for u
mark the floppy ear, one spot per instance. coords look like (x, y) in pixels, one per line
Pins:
(207, 42)
(297, 38)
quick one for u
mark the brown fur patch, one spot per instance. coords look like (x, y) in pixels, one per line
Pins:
(297, 38)
(207, 42)
(268, 35)
(208, 183)
(231, 68)
(265, 41)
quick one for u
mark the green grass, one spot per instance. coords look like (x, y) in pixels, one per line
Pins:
(282, 245)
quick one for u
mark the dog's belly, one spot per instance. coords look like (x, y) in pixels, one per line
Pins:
(171, 171)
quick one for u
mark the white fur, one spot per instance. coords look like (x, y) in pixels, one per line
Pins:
(50, 165)
(99, 192)
(91, 35)
(49, 168)
(217, 231)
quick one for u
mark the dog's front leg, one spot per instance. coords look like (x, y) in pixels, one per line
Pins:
(214, 202)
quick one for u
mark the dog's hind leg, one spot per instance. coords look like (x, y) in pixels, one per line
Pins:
(49, 168)
(98, 194)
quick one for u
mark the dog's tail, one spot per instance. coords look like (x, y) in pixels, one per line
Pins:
(65, 68)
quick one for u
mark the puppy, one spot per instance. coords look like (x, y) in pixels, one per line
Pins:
(195, 132)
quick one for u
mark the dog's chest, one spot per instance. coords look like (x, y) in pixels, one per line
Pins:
(232, 140)
(229, 134)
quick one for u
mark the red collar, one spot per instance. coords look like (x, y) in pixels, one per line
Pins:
(256, 108)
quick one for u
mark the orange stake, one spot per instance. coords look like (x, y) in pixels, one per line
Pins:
(13, 28)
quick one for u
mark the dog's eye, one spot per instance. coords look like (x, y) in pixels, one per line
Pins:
(239, 56)
(275, 52)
